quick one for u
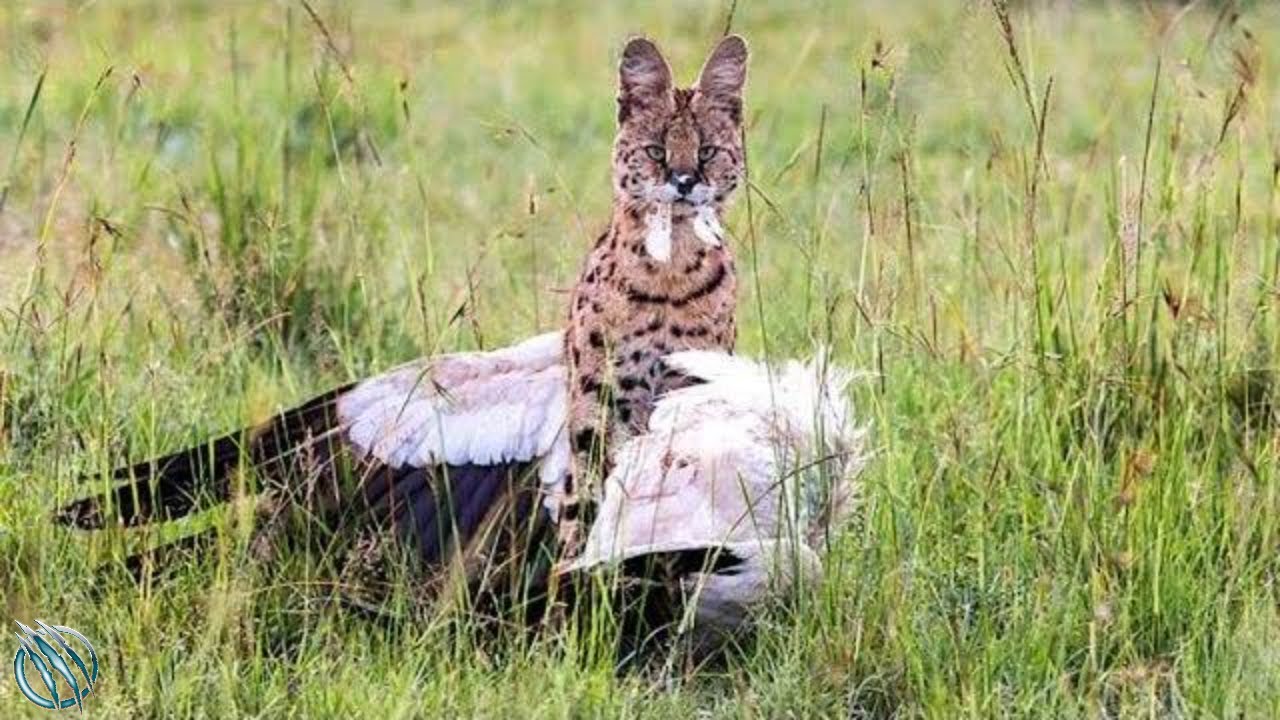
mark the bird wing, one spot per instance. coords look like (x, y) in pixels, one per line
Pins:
(440, 454)
(451, 445)
(477, 409)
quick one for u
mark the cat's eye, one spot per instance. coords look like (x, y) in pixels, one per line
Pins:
(657, 153)
(706, 152)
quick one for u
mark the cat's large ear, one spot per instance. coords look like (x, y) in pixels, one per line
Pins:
(722, 77)
(644, 80)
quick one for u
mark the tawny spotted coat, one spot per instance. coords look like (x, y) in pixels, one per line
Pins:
(661, 279)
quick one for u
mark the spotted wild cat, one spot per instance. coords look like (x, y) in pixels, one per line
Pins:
(661, 279)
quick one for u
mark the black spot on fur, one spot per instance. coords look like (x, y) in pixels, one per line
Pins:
(715, 281)
(706, 288)
(734, 108)
(596, 339)
(631, 383)
(644, 298)
(585, 440)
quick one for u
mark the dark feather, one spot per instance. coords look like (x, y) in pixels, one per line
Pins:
(309, 473)
(672, 565)
(491, 516)
(190, 480)
(434, 509)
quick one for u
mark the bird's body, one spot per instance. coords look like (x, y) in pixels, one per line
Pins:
(747, 469)
(460, 458)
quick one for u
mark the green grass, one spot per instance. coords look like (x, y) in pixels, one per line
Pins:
(213, 211)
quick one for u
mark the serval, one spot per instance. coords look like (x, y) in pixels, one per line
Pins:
(661, 278)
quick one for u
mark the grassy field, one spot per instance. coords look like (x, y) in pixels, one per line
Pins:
(1054, 240)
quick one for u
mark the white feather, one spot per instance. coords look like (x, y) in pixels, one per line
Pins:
(706, 226)
(480, 408)
(733, 463)
(657, 234)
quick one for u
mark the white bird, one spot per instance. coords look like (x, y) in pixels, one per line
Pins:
(464, 456)
(748, 471)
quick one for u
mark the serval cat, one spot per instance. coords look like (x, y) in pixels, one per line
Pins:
(661, 279)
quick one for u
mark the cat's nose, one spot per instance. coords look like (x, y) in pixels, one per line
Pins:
(684, 182)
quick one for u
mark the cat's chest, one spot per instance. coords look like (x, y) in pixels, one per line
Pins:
(622, 281)
(697, 317)
(633, 312)
(665, 307)
(636, 374)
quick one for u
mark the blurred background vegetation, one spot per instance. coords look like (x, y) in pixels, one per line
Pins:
(1049, 228)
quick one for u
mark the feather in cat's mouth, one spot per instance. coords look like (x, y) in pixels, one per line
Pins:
(658, 227)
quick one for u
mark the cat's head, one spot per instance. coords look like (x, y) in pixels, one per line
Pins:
(675, 145)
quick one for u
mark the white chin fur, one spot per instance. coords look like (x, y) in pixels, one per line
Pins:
(706, 226)
(657, 236)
